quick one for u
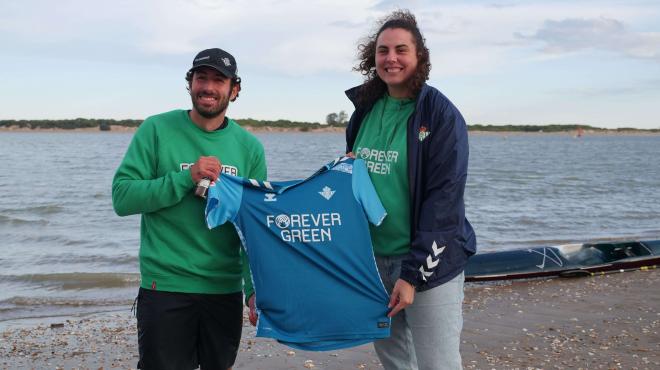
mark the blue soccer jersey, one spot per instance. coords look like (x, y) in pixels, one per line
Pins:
(313, 269)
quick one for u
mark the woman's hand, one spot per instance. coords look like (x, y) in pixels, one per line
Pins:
(402, 296)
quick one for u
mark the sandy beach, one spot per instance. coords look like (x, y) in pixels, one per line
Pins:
(601, 322)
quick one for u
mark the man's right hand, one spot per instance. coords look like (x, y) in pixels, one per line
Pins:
(208, 167)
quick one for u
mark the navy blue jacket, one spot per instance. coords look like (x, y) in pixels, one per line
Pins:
(442, 238)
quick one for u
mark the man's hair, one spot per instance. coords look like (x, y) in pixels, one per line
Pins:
(373, 87)
(234, 81)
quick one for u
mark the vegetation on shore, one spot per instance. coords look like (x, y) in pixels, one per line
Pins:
(553, 128)
(69, 124)
(105, 124)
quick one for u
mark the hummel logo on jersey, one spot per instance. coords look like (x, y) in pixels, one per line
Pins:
(327, 193)
(270, 197)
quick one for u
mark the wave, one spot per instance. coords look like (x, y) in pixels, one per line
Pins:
(18, 301)
(502, 245)
(526, 220)
(41, 209)
(54, 239)
(45, 209)
(19, 307)
(76, 280)
(14, 221)
(89, 260)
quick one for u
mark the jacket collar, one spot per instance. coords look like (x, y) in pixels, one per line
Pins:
(353, 92)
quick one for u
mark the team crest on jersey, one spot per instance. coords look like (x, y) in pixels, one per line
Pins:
(327, 193)
(270, 197)
(423, 133)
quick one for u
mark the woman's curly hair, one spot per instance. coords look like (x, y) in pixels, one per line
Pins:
(373, 87)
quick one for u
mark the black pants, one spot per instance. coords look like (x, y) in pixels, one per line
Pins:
(183, 330)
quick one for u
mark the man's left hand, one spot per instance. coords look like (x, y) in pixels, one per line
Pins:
(253, 310)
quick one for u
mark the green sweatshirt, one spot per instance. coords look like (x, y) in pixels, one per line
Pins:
(178, 253)
(382, 144)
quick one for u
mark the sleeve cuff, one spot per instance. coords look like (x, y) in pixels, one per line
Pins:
(247, 294)
(409, 277)
(186, 178)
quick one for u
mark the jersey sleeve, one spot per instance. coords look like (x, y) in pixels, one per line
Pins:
(365, 193)
(223, 200)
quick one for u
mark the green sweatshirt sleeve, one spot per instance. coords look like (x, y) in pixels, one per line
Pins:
(258, 172)
(135, 187)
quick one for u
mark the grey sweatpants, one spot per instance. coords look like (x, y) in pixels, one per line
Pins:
(425, 335)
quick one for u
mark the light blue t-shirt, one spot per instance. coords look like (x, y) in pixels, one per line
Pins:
(314, 273)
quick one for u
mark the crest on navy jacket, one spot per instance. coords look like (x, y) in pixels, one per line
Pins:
(423, 133)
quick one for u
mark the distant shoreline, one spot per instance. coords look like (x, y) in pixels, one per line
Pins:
(123, 129)
(335, 129)
(282, 125)
(565, 133)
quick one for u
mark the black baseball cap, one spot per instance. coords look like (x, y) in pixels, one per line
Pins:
(217, 59)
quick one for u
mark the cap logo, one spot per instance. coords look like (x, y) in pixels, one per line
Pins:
(202, 58)
(226, 61)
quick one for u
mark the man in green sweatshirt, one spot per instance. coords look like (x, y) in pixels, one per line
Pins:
(189, 307)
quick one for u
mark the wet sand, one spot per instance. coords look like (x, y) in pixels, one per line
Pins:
(601, 322)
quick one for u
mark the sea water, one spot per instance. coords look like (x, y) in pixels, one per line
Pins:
(63, 251)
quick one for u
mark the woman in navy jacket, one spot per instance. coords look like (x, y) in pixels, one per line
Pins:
(425, 275)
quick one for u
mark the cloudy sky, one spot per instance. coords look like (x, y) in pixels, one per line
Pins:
(500, 62)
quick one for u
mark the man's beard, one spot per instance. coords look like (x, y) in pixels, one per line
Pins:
(212, 112)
